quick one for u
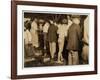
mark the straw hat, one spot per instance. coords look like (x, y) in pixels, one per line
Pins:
(76, 16)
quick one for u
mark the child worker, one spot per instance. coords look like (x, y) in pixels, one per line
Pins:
(52, 38)
(34, 33)
(27, 40)
(45, 33)
(62, 32)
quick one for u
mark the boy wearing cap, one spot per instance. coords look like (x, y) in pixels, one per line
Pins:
(52, 38)
(74, 37)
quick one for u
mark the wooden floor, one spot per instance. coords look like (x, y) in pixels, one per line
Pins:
(38, 60)
(42, 62)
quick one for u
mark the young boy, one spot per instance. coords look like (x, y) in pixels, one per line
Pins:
(45, 33)
(34, 33)
(62, 32)
(52, 38)
(27, 40)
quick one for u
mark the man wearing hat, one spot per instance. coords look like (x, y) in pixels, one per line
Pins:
(74, 37)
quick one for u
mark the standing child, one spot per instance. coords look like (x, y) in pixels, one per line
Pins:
(45, 33)
(52, 38)
(27, 41)
(34, 33)
(62, 32)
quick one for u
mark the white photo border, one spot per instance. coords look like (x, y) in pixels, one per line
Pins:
(54, 69)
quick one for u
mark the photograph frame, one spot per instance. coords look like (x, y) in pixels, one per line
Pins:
(14, 39)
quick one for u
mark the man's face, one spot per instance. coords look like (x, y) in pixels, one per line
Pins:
(76, 20)
(35, 20)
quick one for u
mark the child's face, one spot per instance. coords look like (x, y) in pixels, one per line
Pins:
(51, 21)
(55, 23)
(76, 20)
(35, 20)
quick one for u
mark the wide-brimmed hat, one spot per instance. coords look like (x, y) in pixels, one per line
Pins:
(76, 16)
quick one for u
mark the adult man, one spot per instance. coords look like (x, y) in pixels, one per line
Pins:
(74, 37)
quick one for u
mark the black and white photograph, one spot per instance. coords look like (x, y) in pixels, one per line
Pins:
(52, 39)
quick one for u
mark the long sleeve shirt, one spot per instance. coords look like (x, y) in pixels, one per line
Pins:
(27, 37)
(63, 29)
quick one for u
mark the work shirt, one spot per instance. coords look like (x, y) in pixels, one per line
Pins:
(27, 37)
(63, 29)
(46, 27)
